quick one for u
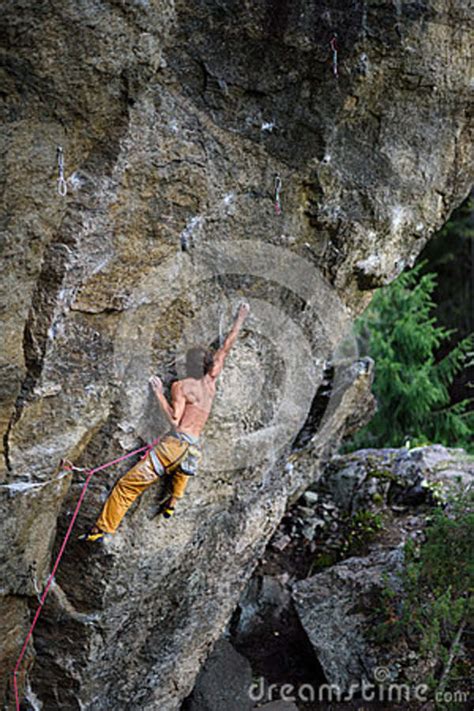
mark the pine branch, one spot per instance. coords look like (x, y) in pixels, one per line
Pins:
(453, 652)
(459, 408)
(454, 361)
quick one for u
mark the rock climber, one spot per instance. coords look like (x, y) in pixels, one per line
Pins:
(178, 451)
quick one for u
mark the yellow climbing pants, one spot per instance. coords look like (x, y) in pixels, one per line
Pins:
(170, 451)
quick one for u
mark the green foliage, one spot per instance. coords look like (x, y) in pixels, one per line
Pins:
(357, 532)
(362, 528)
(461, 223)
(450, 254)
(322, 561)
(446, 559)
(412, 388)
(436, 603)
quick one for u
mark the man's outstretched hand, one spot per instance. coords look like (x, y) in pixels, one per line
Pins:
(156, 384)
(244, 310)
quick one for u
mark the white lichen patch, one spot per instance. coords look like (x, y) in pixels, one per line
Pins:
(399, 217)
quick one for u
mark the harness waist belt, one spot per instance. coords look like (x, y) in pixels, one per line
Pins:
(187, 463)
(186, 436)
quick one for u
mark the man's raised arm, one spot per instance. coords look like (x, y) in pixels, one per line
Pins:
(223, 352)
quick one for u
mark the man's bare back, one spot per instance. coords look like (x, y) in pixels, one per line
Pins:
(198, 397)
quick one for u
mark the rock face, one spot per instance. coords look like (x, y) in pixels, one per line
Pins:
(310, 637)
(334, 606)
(395, 477)
(223, 682)
(174, 119)
(367, 505)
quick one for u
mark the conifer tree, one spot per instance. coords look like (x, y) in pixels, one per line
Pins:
(400, 332)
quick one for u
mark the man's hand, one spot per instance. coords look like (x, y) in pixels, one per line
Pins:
(244, 310)
(156, 384)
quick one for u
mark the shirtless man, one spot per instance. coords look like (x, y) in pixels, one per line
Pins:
(178, 452)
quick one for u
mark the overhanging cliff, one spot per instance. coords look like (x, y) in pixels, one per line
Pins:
(175, 119)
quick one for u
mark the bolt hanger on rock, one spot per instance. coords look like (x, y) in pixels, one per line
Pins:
(62, 185)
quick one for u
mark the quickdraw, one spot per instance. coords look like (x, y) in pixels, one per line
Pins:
(277, 195)
(62, 185)
(333, 45)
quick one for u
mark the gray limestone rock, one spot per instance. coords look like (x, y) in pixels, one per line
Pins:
(334, 607)
(175, 119)
(399, 477)
(223, 682)
(264, 602)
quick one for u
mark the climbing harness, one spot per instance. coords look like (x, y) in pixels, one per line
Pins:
(333, 45)
(277, 195)
(68, 466)
(157, 465)
(189, 460)
(62, 185)
(189, 464)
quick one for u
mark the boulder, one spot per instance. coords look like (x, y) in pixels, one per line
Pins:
(334, 608)
(398, 477)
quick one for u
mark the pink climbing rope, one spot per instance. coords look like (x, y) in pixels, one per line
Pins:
(90, 472)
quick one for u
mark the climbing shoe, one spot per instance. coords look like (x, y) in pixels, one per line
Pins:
(168, 511)
(92, 537)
